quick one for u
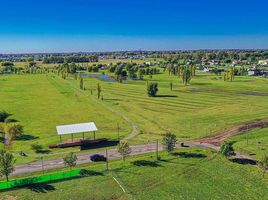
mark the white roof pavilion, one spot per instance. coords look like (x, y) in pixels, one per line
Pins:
(76, 128)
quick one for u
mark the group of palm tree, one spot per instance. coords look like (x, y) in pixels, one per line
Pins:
(9, 128)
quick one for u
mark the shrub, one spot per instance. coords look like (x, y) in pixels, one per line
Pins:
(37, 148)
(227, 149)
(152, 89)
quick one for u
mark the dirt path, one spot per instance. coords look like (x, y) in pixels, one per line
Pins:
(217, 139)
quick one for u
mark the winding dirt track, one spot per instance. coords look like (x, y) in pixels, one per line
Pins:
(217, 139)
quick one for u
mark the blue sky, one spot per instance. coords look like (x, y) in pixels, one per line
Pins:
(108, 25)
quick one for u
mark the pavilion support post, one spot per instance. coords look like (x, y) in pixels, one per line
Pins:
(72, 137)
(94, 135)
(83, 136)
(60, 139)
(107, 165)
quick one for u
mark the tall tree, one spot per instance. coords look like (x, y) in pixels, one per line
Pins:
(169, 141)
(170, 86)
(124, 149)
(99, 90)
(81, 83)
(152, 89)
(7, 162)
(186, 75)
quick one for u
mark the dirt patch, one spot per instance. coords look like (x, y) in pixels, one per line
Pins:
(217, 139)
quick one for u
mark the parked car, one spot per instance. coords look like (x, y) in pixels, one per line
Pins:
(98, 158)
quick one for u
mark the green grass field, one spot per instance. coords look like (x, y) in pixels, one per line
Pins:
(253, 143)
(206, 107)
(187, 174)
(41, 102)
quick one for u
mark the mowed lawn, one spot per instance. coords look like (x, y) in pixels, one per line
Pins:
(186, 174)
(41, 102)
(206, 107)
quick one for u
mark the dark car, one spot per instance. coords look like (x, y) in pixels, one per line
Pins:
(98, 158)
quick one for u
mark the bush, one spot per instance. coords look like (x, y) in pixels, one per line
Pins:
(37, 148)
(98, 158)
(227, 149)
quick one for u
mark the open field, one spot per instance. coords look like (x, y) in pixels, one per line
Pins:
(206, 107)
(41, 102)
(187, 174)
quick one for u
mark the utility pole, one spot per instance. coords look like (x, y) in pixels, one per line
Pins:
(247, 135)
(157, 157)
(42, 160)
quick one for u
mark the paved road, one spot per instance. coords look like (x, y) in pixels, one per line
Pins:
(112, 154)
(81, 159)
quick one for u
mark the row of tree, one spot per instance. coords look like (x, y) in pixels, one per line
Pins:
(70, 59)
(222, 56)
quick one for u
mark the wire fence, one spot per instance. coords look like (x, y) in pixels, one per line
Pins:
(39, 179)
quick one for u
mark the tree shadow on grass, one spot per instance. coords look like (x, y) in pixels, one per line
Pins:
(146, 163)
(86, 172)
(113, 99)
(189, 155)
(44, 151)
(163, 96)
(41, 188)
(244, 161)
(101, 145)
(26, 137)
(202, 84)
(11, 120)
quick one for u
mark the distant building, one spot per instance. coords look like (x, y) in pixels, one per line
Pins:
(257, 71)
(263, 62)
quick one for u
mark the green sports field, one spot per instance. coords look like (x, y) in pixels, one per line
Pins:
(187, 174)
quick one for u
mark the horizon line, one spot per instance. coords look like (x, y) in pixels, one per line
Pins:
(140, 50)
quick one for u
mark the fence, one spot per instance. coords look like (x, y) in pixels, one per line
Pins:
(39, 179)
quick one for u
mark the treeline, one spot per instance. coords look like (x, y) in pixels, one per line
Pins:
(70, 59)
(223, 56)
